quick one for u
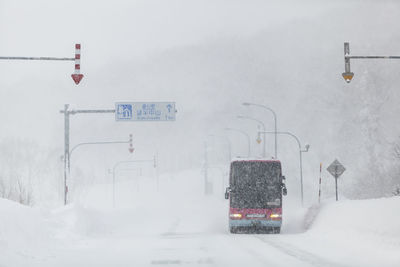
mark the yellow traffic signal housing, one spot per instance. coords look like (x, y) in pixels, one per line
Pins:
(348, 76)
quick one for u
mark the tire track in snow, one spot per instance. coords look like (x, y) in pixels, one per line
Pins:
(300, 254)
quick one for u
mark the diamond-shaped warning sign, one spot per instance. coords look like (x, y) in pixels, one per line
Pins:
(336, 168)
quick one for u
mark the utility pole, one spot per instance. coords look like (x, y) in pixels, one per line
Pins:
(67, 113)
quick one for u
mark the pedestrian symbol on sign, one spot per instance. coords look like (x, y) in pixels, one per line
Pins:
(124, 111)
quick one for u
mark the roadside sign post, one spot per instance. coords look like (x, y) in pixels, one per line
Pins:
(336, 169)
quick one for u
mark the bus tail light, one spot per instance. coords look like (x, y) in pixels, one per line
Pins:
(275, 216)
(236, 216)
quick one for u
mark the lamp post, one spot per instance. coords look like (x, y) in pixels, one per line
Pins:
(207, 186)
(275, 122)
(245, 134)
(260, 122)
(93, 143)
(228, 142)
(307, 147)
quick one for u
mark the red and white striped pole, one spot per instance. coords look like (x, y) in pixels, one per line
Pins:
(77, 76)
(319, 192)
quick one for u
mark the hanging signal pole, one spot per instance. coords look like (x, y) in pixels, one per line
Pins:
(347, 74)
(76, 76)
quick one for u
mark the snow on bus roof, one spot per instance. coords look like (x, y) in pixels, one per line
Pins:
(255, 159)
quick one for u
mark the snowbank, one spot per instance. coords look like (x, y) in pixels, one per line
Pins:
(355, 232)
(24, 231)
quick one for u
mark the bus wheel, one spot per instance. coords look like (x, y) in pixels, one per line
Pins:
(276, 230)
(233, 230)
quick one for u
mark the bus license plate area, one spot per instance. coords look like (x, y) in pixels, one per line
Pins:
(255, 216)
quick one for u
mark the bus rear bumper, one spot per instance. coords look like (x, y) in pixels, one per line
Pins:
(255, 223)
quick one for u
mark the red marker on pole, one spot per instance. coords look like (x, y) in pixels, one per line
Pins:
(319, 192)
(77, 76)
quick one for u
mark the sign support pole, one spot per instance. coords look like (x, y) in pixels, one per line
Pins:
(336, 169)
(336, 177)
(66, 141)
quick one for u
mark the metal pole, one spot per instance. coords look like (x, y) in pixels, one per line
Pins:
(301, 176)
(228, 142)
(113, 191)
(156, 169)
(246, 135)
(263, 125)
(205, 170)
(320, 174)
(67, 164)
(348, 75)
(275, 123)
(336, 177)
(300, 159)
(276, 135)
(39, 58)
(97, 143)
(66, 151)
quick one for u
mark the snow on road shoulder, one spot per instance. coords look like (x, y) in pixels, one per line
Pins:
(354, 233)
(24, 232)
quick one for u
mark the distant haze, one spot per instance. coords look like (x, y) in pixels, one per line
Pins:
(209, 57)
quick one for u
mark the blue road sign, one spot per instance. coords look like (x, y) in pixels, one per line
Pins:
(145, 111)
(123, 111)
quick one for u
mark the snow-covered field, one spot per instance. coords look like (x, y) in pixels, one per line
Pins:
(178, 225)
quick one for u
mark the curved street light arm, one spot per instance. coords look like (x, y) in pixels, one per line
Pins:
(301, 159)
(275, 122)
(97, 143)
(263, 125)
(245, 134)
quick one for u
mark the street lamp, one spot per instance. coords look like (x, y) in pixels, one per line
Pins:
(260, 122)
(275, 122)
(207, 186)
(245, 134)
(301, 151)
(228, 142)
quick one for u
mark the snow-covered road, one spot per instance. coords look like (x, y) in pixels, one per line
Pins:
(179, 226)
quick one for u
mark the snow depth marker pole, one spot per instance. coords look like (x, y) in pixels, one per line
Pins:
(77, 76)
(319, 191)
